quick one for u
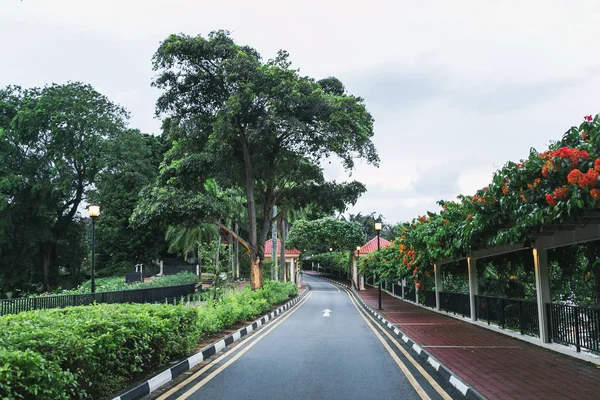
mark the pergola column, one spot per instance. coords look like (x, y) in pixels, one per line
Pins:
(292, 271)
(473, 287)
(403, 284)
(437, 273)
(542, 286)
(361, 284)
(416, 294)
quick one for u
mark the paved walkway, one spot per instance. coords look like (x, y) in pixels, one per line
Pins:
(496, 365)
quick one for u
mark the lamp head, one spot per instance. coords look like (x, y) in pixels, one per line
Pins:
(94, 210)
(377, 226)
(330, 249)
(357, 248)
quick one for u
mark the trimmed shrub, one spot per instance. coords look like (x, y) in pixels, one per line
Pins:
(92, 351)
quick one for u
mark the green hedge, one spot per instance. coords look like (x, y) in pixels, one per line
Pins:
(89, 352)
(117, 283)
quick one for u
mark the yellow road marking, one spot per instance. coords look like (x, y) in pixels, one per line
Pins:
(228, 363)
(425, 374)
(399, 362)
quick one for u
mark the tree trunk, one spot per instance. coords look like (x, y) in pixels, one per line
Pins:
(256, 276)
(236, 245)
(282, 251)
(274, 272)
(46, 257)
(230, 250)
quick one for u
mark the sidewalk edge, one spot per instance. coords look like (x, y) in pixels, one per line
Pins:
(467, 390)
(147, 387)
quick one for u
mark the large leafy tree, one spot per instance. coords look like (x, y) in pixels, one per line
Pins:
(130, 162)
(53, 137)
(323, 234)
(249, 123)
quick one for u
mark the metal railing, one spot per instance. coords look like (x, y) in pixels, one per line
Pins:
(518, 315)
(456, 303)
(578, 326)
(149, 295)
(409, 293)
(429, 298)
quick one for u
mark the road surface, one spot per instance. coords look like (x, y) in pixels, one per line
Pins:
(326, 347)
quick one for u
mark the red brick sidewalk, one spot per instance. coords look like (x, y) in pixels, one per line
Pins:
(496, 365)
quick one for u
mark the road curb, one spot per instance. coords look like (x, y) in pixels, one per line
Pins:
(467, 390)
(168, 375)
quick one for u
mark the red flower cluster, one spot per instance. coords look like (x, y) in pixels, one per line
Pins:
(595, 193)
(573, 177)
(574, 155)
(588, 118)
(551, 200)
(589, 179)
(562, 193)
(597, 164)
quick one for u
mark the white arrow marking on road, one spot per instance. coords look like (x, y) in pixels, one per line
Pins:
(326, 313)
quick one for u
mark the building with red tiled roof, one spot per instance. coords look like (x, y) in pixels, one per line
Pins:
(288, 252)
(371, 245)
(291, 258)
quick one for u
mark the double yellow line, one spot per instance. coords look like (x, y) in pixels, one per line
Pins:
(411, 378)
(216, 372)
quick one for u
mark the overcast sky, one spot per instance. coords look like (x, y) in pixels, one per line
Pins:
(457, 88)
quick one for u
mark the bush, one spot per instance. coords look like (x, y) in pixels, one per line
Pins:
(117, 283)
(92, 351)
(106, 345)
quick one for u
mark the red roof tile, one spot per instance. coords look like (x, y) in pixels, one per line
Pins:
(269, 249)
(371, 245)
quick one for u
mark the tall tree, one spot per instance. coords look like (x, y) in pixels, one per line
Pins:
(56, 135)
(320, 235)
(130, 162)
(235, 117)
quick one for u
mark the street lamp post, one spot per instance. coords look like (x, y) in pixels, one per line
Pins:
(94, 212)
(355, 277)
(330, 251)
(378, 230)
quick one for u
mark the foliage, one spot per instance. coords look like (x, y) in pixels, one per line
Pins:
(551, 187)
(130, 162)
(115, 284)
(335, 260)
(367, 221)
(106, 346)
(52, 141)
(269, 124)
(109, 344)
(322, 234)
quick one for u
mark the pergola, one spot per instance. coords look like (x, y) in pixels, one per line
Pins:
(291, 257)
(584, 228)
(367, 248)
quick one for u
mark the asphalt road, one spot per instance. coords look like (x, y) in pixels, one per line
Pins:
(306, 355)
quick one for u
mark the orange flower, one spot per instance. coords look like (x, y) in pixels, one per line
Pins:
(597, 164)
(505, 190)
(551, 200)
(589, 179)
(444, 207)
(595, 193)
(583, 135)
(485, 188)
(469, 217)
(574, 176)
(445, 221)
(523, 198)
(562, 193)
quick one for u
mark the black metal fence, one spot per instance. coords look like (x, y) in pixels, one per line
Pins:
(149, 295)
(409, 293)
(457, 303)
(578, 326)
(519, 315)
(429, 298)
(397, 289)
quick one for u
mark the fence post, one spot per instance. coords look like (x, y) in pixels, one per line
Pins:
(501, 314)
(437, 273)
(403, 284)
(521, 317)
(577, 337)
(542, 288)
(473, 287)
